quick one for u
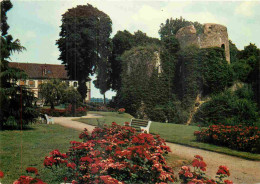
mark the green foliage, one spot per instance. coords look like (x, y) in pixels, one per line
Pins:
(217, 73)
(123, 41)
(233, 52)
(251, 56)
(53, 91)
(71, 96)
(202, 71)
(139, 64)
(16, 102)
(171, 27)
(229, 108)
(241, 70)
(84, 42)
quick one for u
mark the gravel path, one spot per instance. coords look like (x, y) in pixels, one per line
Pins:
(242, 171)
(68, 122)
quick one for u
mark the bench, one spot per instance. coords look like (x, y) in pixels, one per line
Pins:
(49, 119)
(143, 125)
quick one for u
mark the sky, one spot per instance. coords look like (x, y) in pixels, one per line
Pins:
(37, 23)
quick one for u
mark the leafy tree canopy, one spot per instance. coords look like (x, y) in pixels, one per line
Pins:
(53, 91)
(84, 42)
(171, 27)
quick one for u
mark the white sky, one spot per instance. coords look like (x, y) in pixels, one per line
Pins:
(36, 23)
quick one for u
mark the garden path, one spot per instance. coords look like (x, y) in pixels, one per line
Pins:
(242, 170)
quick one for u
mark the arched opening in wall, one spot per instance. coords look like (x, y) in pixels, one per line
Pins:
(223, 46)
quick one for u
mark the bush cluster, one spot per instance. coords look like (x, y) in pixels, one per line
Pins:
(80, 111)
(99, 107)
(114, 154)
(236, 137)
(229, 107)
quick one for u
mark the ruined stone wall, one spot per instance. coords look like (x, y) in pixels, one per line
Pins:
(214, 35)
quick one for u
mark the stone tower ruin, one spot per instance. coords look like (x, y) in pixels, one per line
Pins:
(214, 35)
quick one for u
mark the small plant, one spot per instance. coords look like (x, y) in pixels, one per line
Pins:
(198, 176)
(1, 174)
(121, 110)
(29, 179)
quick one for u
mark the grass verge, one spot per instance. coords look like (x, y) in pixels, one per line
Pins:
(22, 149)
(175, 133)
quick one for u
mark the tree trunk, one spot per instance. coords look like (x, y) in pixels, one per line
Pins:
(52, 105)
(104, 98)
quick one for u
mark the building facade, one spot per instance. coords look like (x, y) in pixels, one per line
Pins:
(41, 73)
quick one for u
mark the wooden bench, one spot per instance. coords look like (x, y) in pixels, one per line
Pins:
(140, 124)
(49, 119)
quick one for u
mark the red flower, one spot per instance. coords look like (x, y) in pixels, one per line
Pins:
(223, 170)
(199, 157)
(1, 174)
(32, 170)
(71, 165)
(228, 182)
(199, 163)
(84, 159)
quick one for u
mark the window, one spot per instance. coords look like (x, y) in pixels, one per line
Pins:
(31, 83)
(75, 84)
(22, 83)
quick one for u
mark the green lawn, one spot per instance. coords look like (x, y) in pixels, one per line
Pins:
(108, 118)
(19, 150)
(175, 133)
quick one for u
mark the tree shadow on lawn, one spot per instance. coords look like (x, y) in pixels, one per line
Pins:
(12, 128)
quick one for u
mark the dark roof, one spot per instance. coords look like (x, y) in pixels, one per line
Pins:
(41, 71)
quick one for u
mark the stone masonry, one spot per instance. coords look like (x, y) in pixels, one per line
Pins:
(214, 35)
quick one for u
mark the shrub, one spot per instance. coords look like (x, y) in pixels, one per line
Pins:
(121, 110)
(114, 154)
(228, 107)
(80, 111)
(99, 107)
(235, 137)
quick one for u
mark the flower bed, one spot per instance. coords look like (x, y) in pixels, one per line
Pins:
(114, 154)
(236, 137)
(80, 111)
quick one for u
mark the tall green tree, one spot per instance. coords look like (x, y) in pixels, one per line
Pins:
(84, 42)
(16, 102)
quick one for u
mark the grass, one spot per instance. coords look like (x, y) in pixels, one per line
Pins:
(22, 149)
(175, 133)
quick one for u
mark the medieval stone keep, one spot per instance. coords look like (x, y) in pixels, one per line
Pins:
(214, 35)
